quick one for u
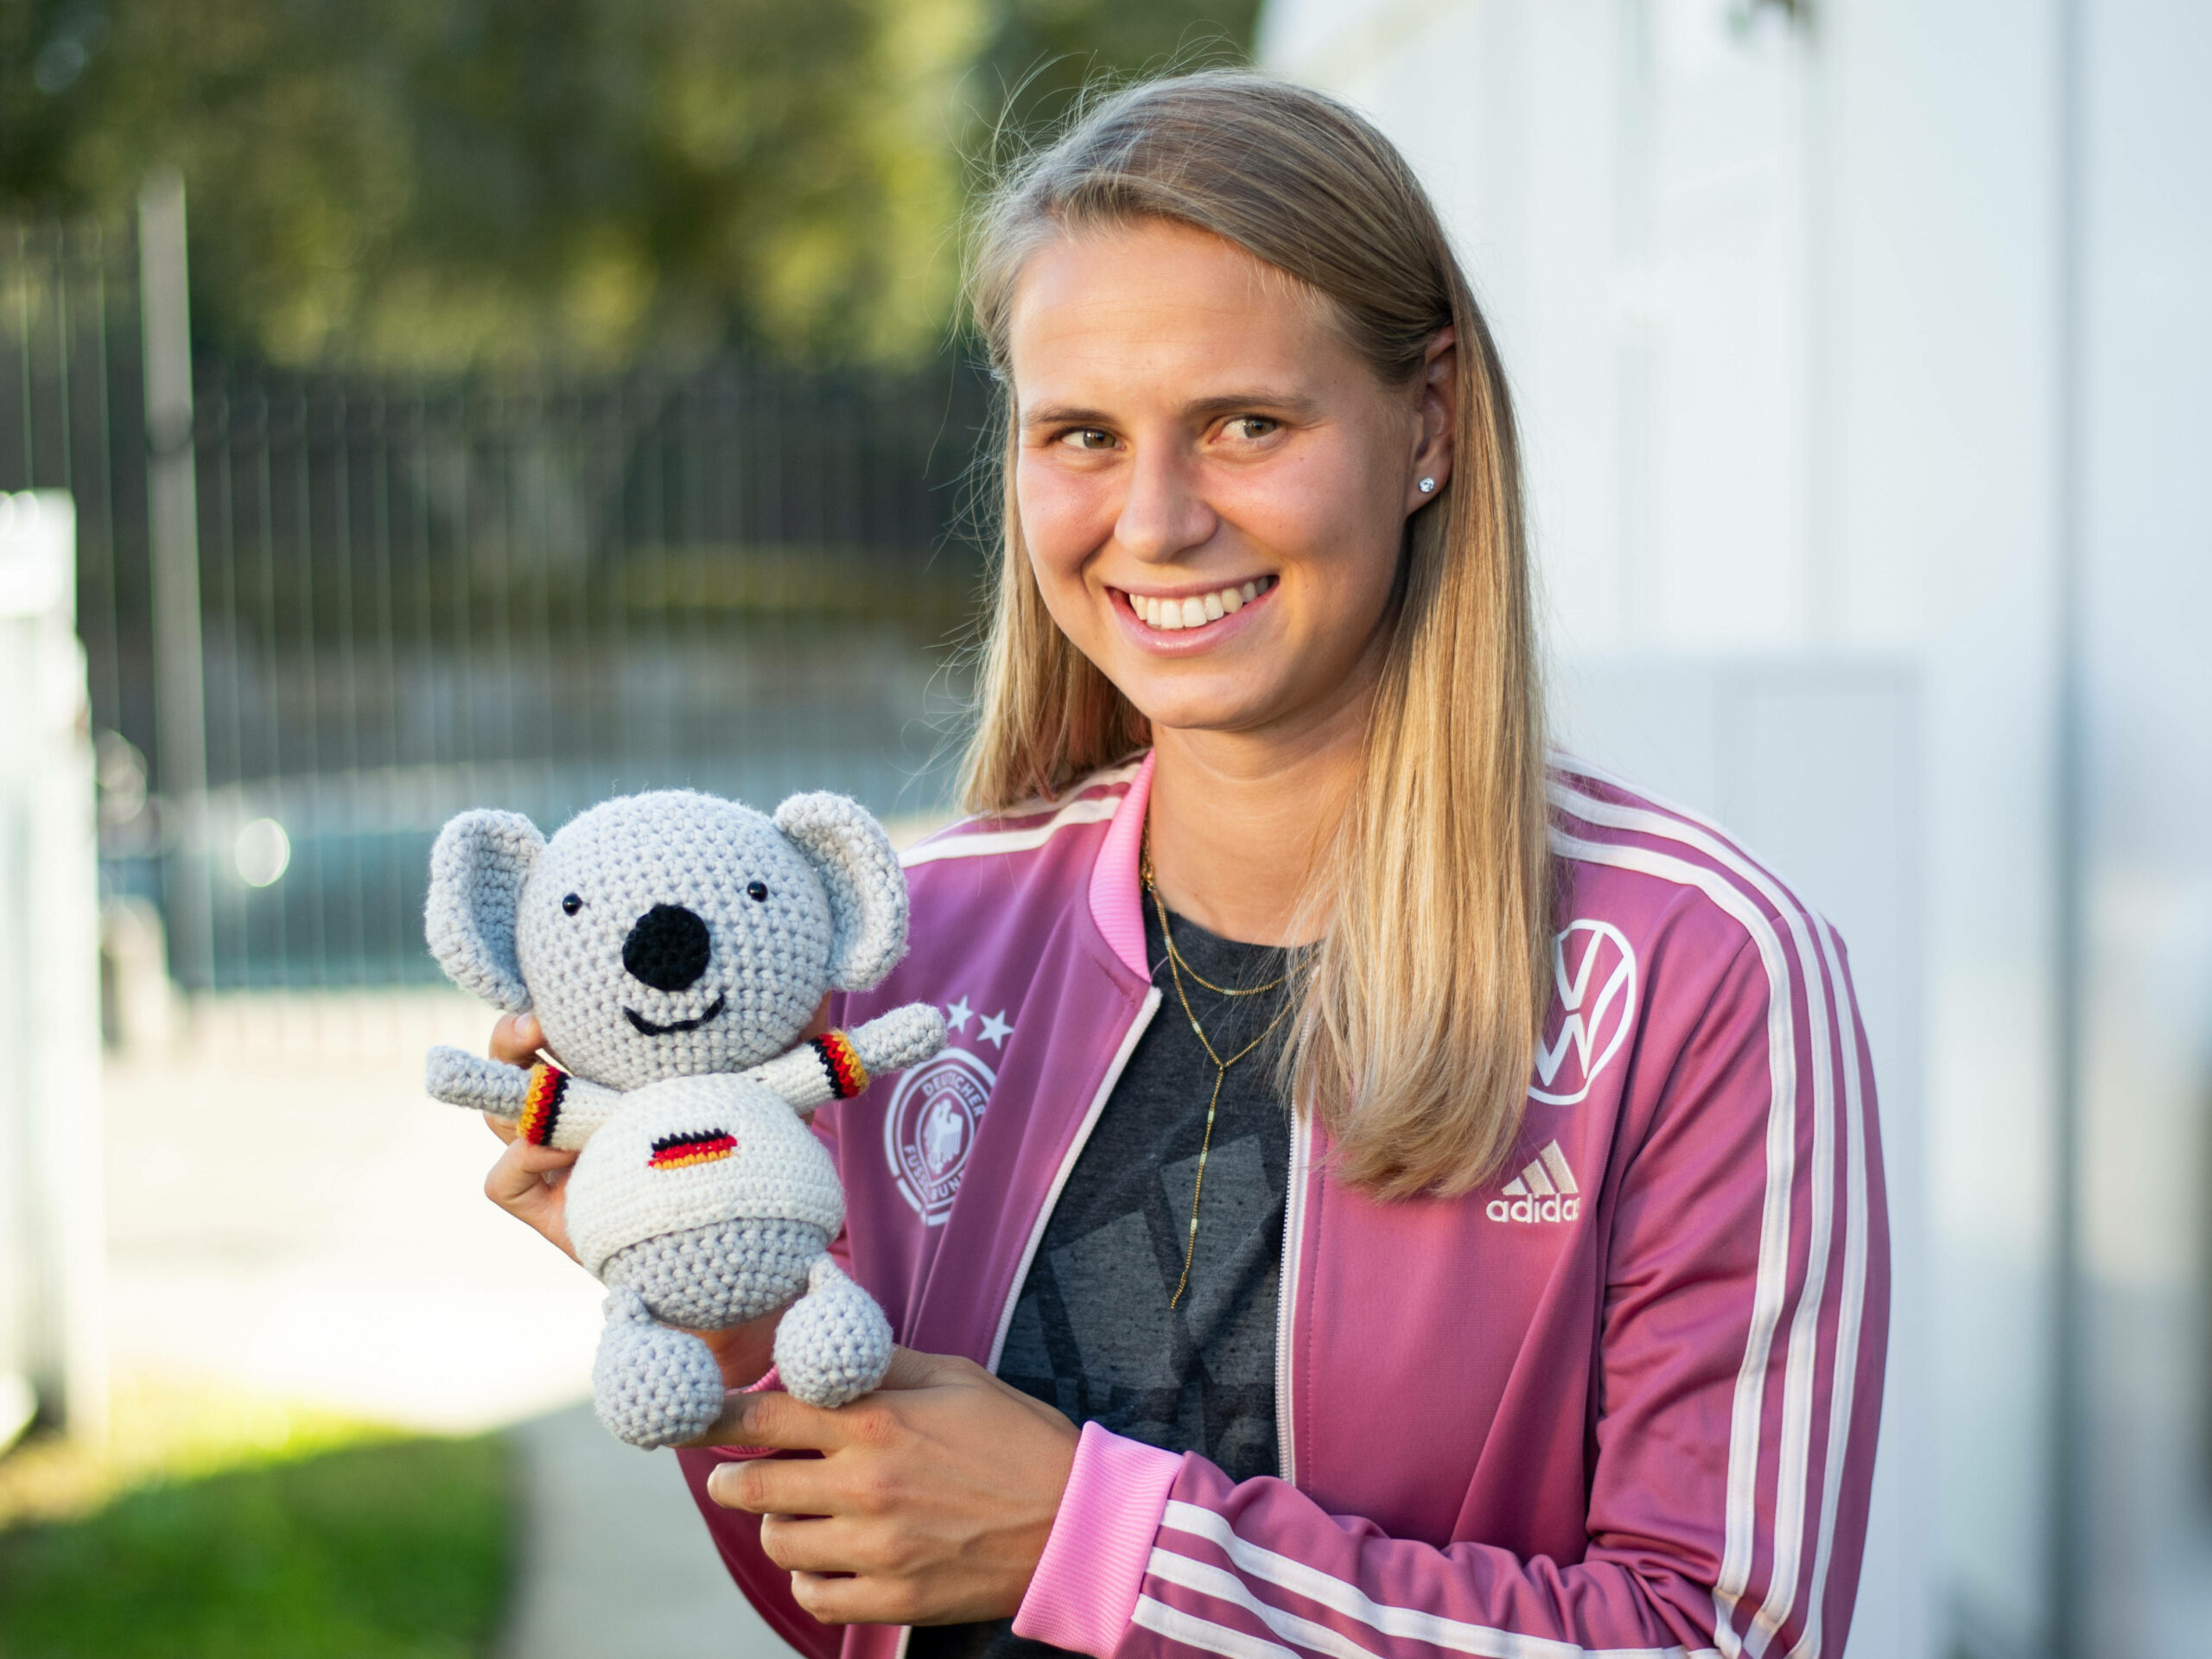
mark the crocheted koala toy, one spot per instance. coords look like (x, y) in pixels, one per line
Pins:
(673, 947)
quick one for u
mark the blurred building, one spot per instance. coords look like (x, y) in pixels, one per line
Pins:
(1870, 338)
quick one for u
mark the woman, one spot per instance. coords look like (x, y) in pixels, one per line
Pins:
(1554, 1314)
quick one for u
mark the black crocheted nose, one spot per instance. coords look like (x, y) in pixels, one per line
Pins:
(667, 949)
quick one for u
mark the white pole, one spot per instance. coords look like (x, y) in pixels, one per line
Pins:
(180, 713)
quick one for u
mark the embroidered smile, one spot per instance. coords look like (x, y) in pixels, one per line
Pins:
(1173, 616)
(652, 1030)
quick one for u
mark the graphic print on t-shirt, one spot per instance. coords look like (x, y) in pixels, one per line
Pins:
(1092, 1331)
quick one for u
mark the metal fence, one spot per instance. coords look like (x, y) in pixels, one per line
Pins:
(416, 598)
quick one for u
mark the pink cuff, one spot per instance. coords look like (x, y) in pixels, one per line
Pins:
(1085, 1587)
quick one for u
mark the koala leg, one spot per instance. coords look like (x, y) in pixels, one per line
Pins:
(834, 1343)
(653, 1386)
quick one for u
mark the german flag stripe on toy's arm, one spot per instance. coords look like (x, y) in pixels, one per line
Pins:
(841, 1064)
(541, 1104)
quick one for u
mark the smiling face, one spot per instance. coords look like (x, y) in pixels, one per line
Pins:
(671, 935)
(1213, 485)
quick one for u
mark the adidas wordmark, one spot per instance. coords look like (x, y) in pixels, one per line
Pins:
(1545, 1191)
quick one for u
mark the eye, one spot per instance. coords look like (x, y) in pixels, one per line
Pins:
(757, 890)
(1253, 427)
(571, 904)
(1088, 437)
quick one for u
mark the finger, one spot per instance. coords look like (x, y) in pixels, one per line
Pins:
(836, 1599)
(516, 1038)
(522, 1168)
(816, 1543)
(744, 1363)
(911, 1368)
(775, 1419)
(504, 1127)
(820, 1023)
(785, 1486)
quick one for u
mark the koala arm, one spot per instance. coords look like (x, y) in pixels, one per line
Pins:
(838, 1064)
(555, 1110)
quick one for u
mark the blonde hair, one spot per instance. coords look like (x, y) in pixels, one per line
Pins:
(1417, 1011)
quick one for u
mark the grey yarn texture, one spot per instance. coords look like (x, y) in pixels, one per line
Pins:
(651, 1385)
(673, 947)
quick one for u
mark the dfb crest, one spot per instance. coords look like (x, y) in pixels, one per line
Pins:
(930, 1130)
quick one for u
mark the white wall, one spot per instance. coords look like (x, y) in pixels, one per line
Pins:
(2146, 623)
(1785, 307)
(52, 1333)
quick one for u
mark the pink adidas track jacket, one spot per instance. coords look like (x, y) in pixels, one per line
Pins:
(1620, 1401)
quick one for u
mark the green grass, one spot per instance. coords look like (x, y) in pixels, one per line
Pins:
(385, 1549)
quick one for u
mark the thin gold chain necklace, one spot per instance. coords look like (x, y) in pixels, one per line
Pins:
(1176, 968)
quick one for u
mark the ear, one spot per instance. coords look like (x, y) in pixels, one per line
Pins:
(476, 876)
(867, 890)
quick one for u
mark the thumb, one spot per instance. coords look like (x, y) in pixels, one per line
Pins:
(516, 1038)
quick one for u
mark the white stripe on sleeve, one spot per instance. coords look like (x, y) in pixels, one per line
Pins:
(1794, 1455)
(1409, 1624)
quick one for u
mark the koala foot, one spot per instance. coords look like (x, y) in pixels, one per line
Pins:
(834, 1343)
(653, 1386)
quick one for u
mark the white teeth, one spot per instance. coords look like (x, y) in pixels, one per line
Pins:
(1173, 616)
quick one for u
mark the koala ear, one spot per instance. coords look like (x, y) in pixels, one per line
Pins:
(476, 876)
(867, 890)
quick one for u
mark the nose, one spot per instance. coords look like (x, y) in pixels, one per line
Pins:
(668, 948)
(1164, 511)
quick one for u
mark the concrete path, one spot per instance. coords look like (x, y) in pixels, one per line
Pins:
(616, 1564)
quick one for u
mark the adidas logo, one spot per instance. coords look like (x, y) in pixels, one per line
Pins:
(1543, 1191)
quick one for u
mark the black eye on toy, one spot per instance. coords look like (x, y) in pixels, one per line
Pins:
(758, 890)
(571, 904)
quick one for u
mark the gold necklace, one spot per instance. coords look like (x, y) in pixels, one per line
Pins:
(1175, 956)
(1176, 968)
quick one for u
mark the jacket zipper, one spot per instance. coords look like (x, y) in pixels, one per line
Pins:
(1067, 1165)
(1294, 1228)
(1113, 1070)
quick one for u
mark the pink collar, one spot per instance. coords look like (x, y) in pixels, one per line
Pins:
(1116, 905)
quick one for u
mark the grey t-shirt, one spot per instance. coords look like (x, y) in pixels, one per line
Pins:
(1092, 1333)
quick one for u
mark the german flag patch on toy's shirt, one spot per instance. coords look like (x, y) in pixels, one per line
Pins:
(682, 1151)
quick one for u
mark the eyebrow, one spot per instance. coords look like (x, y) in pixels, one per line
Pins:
(1205, 409)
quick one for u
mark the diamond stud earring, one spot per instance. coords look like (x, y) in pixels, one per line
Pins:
(1429, 486)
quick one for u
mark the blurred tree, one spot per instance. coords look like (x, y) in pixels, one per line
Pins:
(1037, 56)
(443, 182)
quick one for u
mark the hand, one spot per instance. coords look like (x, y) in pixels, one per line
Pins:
(529, 1183)
(930, 1504)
